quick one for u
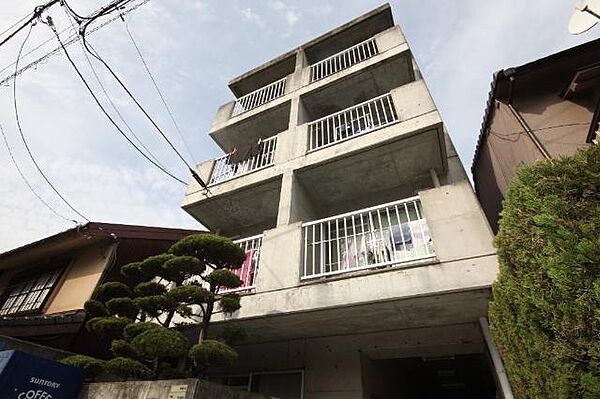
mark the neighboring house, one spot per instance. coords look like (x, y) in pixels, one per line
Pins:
(546, 108)
(371, 259)
(44, 285)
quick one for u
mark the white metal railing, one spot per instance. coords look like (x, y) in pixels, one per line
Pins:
(224, 169)
(369, 115)
(382, 235)
(259, 97)
(344, 59)
(247, 273)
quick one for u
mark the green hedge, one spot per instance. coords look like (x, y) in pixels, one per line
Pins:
(545, 310)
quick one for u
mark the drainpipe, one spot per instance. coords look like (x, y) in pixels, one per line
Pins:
(503, 383)
(434, 177)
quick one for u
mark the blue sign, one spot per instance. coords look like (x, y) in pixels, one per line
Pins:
(24, 376)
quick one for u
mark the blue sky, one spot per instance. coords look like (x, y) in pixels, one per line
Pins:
(194, 48)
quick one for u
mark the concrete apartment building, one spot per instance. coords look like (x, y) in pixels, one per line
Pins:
(546, 108)
(371, 259)
(44, 284)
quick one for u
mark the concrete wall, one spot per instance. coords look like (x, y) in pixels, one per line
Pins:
(172, 389)
(332, 365)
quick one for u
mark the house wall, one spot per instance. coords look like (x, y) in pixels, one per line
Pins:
(80, 279)
(561, 126)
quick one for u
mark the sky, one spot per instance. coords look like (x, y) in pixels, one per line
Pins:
(193, 48)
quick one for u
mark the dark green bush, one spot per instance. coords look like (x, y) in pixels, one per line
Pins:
(133, 273)
(153, 266)
(158, 343)
(544, 314)
(134, 329)
(230, 303)
(154, 305)
(210, 249)
(190, 294)
(167, 372)
(91, 366)
(182, 267)
(224, 278)
(95, 308)
(108, 327)
(125, 307)
(212, 353)
(110, 290)
(122, 348)
(128, 368)
(149, 288)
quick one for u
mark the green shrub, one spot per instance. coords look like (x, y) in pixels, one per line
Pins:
(108, 327)
(210, 249)
(149, 288)
(123, 307)
(133, 273)
(167, 372)
(223, 278)
(212, 353)
(154, 305)
(95, 308)
(122, 348)
(128, 368)
(544, 315)
(190, 294)
(158, 343)
(230, 303)
(91, 366)
(110, 290)
(153, 266)
(182, 267)
(134, 329)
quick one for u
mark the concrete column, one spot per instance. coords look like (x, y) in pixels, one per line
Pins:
(294, 203)
(456, 222)
(276, 270)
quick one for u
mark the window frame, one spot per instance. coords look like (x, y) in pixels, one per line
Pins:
(32, 276)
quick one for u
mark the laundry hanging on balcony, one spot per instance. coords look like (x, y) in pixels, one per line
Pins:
(245, 152)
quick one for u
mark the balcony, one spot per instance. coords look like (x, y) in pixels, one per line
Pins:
(362, 118)
(259, 97)
(384, 235)
(343, 59)
(249, 270)
(224, 169)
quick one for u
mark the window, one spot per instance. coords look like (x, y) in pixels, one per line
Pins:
(28, 293)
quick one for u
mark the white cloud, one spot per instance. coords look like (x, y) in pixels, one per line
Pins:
(253, 17)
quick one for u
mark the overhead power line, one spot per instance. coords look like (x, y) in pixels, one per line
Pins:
(22, 175)
(18, 120)
(36, 13)
(162, 98)
(110, 101)
(94, 54)
(66, 42)
(112, 121)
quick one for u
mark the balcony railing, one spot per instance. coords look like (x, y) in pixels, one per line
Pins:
(369, 115)
(247, 273)
(383, 235)
(259, 97)
(224, 169)
(344, 59)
